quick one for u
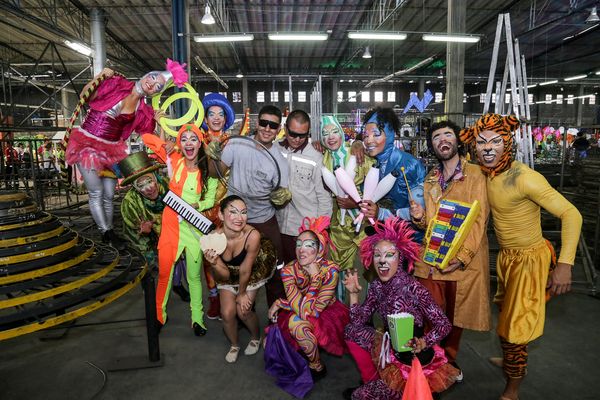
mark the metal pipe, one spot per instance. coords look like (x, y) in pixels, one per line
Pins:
(97, 28)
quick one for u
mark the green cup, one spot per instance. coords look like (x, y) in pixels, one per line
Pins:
(401, 330)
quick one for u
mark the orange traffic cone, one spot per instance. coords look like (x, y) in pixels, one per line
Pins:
(416, 387)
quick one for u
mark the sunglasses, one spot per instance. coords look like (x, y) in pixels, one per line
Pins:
(271, 124)
(297, 135)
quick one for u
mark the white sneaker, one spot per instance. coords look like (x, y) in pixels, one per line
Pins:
(252, 347)
(232, 354)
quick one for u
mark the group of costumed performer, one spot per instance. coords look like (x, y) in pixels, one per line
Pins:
(191, 182)
(391, 251)
(337, 154)
(380, 126)
(516, 193)
(116, 109)
(142, 208)
(310, 316)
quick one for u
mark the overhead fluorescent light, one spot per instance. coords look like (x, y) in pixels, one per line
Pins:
(593, 16)
(597, 72)
(548, 83)
(377, 35)
(532, 85)
(223, 38)
(239, 75)
(79, 47)
(576, 77)
(298, 36)
(434, 37)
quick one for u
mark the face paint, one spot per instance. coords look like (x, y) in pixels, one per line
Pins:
(235, 216)
(152, 83)
(190, 145)
(215, 118)
(331, 137)
(490, 147)
(307, 249)
(385, 260)
(147, 186)
(444, 143)
(374, 139)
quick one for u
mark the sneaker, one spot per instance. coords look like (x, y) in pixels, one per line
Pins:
(114, 240)
(252, 347)
(459, 378)
(232, 354)
(214, 308)
(198, 329)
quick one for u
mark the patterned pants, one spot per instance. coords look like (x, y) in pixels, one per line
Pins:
(515, 359)
(303, 332)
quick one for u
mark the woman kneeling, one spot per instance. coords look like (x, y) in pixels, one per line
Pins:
(310, 316)
(246, 264)
(394, 291)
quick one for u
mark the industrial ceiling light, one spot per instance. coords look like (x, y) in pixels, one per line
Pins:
(223, 38)
(367, 53)
(306, 36)
(576, 77)
(435, 37)
(593, 16)
(377, 35)
(239, 75)
(79, 47)
(548, 82)
(207, 19)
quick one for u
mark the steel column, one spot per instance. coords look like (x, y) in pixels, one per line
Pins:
(97, 28)
(455, 58)
(181, 40)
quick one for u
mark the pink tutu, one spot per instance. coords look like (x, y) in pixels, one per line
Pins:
(93, 153)
(328, 328)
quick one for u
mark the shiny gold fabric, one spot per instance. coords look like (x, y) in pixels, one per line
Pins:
(262, 269)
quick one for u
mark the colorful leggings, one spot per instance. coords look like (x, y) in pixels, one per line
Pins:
(303, 332)
(165, 279)
(515, 359)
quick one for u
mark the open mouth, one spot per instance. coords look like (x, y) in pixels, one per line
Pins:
(444, 147)
(189, 151)
(383, 271)
(489, 157)
(370, 149)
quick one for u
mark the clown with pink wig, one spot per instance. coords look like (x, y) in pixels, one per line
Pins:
(384, 371)
(116, 109)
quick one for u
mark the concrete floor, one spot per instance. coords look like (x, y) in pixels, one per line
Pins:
(66, 364)
(47, 365)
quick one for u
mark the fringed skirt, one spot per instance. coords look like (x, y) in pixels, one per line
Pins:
(91, 152)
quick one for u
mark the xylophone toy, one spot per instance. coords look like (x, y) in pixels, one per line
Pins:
(448, 230)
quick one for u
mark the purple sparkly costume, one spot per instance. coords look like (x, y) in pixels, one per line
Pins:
(402, 293)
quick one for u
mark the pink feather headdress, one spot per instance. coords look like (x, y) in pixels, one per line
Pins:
(394, 230)
(178, 72)
(318, 226)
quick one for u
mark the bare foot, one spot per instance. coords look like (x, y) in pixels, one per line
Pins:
(496, 361)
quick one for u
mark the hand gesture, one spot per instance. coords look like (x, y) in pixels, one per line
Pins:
(358, 151)
(211, 256)
(146, 227)
(453, 265)
(107, 72)
(273, 310)
(351, 282)
(158, 114)
(169, 147)
(416, 211)
(346, 202)
(312, 269)
(369, 209)
(418, 344)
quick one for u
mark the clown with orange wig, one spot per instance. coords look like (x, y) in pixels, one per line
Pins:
(516, 194)
(189, 180)
(392, 252)
(310, 316)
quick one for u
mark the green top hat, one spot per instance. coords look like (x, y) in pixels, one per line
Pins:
(135, 165)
